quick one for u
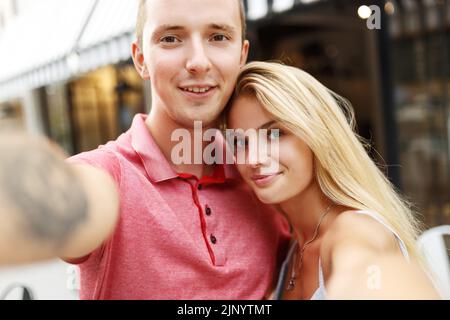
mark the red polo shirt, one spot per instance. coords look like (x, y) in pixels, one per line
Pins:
(179, 237)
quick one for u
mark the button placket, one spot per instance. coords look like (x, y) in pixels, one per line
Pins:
(211, 220)
(204, 225)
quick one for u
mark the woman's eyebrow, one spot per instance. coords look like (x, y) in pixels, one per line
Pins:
(267, 125)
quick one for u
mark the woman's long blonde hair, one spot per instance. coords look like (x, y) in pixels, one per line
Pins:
(325, 121)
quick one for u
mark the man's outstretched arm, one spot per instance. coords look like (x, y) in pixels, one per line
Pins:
(47, 207)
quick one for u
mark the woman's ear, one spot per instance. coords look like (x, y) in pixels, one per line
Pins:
(139, 61)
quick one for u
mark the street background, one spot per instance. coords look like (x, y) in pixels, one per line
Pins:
(66, 73)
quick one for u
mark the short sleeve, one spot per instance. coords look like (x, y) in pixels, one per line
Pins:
(101, 158)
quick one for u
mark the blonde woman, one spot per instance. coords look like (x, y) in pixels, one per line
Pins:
(353, 235)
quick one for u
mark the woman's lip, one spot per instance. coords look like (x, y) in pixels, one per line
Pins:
(264, 180)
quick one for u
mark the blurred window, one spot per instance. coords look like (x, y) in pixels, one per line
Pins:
(421, 76)
(103, 104)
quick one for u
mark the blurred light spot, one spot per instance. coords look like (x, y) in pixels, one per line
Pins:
(308, 1)
(389, 8)
(282, 5)
(364, 12)
(257, 9)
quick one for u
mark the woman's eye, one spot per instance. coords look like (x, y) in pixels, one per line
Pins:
(274, 134)
(240, 143)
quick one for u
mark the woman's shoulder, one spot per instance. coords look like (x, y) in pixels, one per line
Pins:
(363, 228)
(355, 219)
(354, 234)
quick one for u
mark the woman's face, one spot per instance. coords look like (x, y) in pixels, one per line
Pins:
(275, 177)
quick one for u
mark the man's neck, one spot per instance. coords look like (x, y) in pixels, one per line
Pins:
(161, 127)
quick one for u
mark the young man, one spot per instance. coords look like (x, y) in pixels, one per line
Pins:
(191, 230)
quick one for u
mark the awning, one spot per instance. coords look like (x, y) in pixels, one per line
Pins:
(63, 38)
(32, 46)
(108, 35)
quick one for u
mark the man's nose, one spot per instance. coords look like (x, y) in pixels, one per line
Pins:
(198, 61)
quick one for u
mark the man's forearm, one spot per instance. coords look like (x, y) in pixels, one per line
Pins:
(41, 200)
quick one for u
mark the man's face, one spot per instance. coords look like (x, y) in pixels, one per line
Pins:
(193, 52)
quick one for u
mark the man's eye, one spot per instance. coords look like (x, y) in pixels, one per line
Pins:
(219, 37)
(169, 39)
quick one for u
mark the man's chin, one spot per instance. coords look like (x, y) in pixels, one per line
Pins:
(192, 122)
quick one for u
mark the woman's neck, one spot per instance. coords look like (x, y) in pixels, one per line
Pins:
(305, 211)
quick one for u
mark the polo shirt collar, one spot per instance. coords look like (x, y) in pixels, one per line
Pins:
(156, 165)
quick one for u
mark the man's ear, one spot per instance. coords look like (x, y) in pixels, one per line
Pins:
(139, 63)
(244, 52)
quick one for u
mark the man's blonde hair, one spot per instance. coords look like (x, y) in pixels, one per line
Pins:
(142, 16)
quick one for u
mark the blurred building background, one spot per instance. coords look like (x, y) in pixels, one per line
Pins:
(66, 72)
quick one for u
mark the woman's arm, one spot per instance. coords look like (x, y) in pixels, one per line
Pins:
(365, 262)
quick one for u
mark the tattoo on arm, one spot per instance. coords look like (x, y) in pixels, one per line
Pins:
(48, 200)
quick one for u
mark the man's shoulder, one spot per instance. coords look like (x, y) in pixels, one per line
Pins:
(105, 157)
(106, 152)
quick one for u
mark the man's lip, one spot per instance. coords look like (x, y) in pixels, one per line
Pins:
(200, 86)
(198, 95)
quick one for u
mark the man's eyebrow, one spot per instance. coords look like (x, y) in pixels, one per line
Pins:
(267, 125)
(167, 27)
(173, 27)
(222, 27)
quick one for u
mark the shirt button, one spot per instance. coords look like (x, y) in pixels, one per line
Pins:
(208, 211)
(213, 239)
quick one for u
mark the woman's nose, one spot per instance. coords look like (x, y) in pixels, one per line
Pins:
(257, 155)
